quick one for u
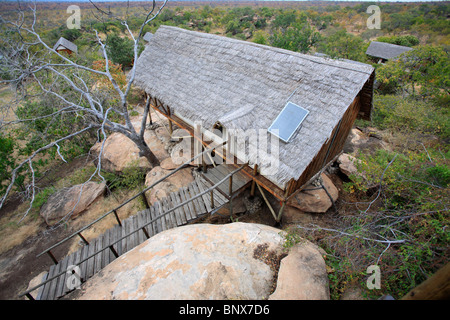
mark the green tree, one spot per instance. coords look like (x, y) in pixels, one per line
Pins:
(426, 69)
(300, 37)
(120, 50)
(71, 34)
(407, 40)
(343, 45)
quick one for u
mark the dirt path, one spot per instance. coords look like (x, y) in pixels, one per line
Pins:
(19, 264)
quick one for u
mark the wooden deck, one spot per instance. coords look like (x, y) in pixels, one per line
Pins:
(216, 174)
(108, 246)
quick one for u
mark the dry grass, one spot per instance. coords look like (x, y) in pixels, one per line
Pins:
(13, 232)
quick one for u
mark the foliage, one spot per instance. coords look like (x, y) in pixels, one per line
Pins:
(300, 37)
(415, 115)
(47, 124)
(42, 197)
(343, 45)
(132, 177)
(406, 40)
(71, 34)
(259, 37)
(426, 66)
(120, 50)
(7, 163)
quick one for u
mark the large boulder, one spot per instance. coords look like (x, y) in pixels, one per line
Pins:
(68, 200)
(201, 261)
(181, 178)
(120, 152)
(302, 275)
(314, 198)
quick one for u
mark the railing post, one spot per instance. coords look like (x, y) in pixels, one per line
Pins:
(29, 296)
(114, 251)
(230, 187)
(255, 172)
(145, 232)
(212, 199)
(52, 257)
(117, 217)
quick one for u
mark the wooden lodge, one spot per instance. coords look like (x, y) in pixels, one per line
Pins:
(233, 85)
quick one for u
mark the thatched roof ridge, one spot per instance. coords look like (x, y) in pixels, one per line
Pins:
(385, 50)
(244, 85)
(66, 44)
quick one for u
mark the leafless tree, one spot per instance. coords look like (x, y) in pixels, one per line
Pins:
(36, 69)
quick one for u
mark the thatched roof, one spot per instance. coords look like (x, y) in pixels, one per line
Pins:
(244, 85)
(66, 44)
(385, 51)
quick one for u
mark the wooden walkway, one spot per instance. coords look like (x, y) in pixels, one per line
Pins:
(107, 247)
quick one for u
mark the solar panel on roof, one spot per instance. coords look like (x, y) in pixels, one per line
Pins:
(288, 121)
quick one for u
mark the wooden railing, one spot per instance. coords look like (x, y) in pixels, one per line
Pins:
(114, 211)
(142, 227)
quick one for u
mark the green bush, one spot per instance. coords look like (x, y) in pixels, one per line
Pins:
(398, 113)
(132, 177)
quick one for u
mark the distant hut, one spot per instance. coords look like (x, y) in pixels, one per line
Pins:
(383, 51)
(64, 45)
(231, 84)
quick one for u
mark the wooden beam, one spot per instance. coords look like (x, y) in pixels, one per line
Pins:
(255, 172)
(267, 202)
(437, 287)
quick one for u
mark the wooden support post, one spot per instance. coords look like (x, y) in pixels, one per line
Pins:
(280, 213)
(255, 172)
(170, 121)
(267, 202)
(205, 169)
(230, 187)
(144, 199)
(82, 238)
(150, 117)
(212, 199)
(145, 232)
(436, 287)
(283, 204)
(114, 251)
(52, 257)
(29, 296)
(231, 208)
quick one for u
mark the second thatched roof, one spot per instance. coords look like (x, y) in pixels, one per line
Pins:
(66, 44)
(386, 51)
(244, 85)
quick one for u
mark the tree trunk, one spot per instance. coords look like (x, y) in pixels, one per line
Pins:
(147, 153)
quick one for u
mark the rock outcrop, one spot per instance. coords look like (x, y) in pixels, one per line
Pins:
(120, 152)
(302, 275)
(62, 202)
(200, 261)
(179, 179)
(348, 164)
